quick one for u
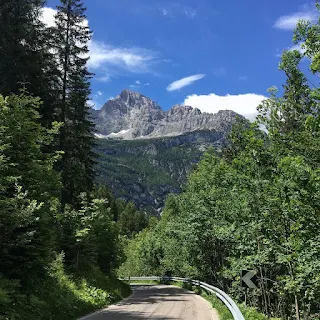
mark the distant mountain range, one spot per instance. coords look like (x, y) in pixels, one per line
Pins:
(132, 115)
(146, 152)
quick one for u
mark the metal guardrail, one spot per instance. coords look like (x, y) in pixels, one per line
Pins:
(230, 304)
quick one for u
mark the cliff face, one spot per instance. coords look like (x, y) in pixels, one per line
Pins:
(146, 153)
(133, 116)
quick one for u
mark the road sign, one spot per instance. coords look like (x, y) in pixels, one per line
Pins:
(249, 279)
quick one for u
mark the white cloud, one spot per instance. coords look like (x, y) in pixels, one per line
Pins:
(298, 48)
(47, 16)
(176, 85)
(90, 103)
(294, 47)
(138, 82)
(134, 59)
(289, 22)
(99, 93)
(244, 104)
(164, 12)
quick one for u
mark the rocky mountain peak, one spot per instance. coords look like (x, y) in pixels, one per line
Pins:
(134, 99)
(127, 94)
(131, 115)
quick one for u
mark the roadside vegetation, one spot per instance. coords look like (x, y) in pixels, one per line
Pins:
(255, 206)
(61, 238)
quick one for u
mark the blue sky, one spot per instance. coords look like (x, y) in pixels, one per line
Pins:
(228, 51)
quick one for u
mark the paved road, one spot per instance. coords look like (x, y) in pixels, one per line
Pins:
(158, 302)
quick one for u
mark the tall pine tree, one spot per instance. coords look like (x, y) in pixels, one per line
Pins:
(27, 61)
(19, 44)
(72, 35)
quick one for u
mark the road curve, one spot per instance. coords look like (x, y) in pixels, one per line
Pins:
(158, 302)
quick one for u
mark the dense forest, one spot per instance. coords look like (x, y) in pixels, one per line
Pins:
(61, 237)
(254, 207)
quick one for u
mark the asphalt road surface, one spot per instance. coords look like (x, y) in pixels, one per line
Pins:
(158, 302)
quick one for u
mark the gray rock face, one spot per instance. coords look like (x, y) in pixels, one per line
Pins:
(131, 115)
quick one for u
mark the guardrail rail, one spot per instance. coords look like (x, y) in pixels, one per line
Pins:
(226, 299)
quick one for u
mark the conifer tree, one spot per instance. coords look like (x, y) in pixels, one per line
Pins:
(72, 35)
(18, 44)
(27, 61)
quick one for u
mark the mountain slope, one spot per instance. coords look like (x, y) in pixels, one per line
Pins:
(146, 153)
(147, 170)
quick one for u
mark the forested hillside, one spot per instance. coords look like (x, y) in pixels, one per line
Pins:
(146, 171)
(255, 207)
(61, 238)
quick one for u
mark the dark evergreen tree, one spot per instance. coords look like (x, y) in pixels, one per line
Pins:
(72, 35)
(26, 60)
(19, 44)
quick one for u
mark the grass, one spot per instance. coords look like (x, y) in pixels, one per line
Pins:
(60, 295)
(224, 313)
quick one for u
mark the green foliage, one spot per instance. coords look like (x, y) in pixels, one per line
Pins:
(47, 200)
(33, 284)
(60, 295)
(131, 221)
(29, 187)
(254, 207)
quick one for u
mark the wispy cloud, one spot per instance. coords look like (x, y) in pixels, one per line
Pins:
(138, 84)
(190, 13)
(134, 59)
(289, 22)
(107, 59)
(176, 85)
(294, 47)
(244, 104)
(103, 78)
(176, 9)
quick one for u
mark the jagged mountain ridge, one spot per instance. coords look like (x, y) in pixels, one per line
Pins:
(132, 115)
